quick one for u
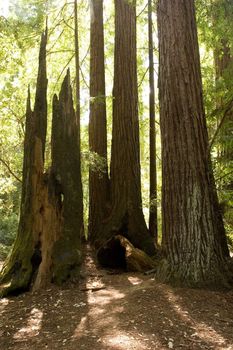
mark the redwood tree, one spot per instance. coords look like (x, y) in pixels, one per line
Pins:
(25, 256)
(153, 225)
(223, 58)
(98, 173)
(78, 110)
(125, 215)
(193, 233)
(47, 246)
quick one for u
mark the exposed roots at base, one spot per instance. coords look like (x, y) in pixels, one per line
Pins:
(178, 276)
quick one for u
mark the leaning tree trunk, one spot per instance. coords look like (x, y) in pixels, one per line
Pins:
(192, 223)
(98, 173)
(25, 257)
(153, 220)
(126, 216)
(47, 246)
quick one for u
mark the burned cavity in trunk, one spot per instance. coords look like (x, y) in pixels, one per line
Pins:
(119, 253)
(112, 254)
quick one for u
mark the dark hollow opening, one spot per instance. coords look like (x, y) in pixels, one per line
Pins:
(112, 255)
(35, 262)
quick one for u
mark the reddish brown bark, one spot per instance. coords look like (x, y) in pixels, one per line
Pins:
(153, 226)
(193, 232)
(47, 246)
(126, 216)
(25, 257)
(98, 173)
(78, 110)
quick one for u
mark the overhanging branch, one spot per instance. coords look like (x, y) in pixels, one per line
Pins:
(10, 170)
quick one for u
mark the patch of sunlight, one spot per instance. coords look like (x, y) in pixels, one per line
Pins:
(101, 314)
(33, 326)
(201, 330)
(135, 280)
(81, 328)
(104, 297)
(123, 341)
(208, 333)
(3, 303)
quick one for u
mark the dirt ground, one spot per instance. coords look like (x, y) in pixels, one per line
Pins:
(126, 311)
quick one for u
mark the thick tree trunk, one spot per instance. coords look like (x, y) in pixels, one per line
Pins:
(98, 173)
(65, 169)
(47, 246)
(153, 226)
(26, 256)
(193, 231)
(126, 216)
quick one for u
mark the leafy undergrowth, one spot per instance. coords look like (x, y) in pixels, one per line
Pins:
(118, 311)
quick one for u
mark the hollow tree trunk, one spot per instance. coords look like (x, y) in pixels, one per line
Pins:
(126, 216)
(153, 226)
(25, 257)
(66, 255)
(98, 173)
(192, 223)
(47, 246)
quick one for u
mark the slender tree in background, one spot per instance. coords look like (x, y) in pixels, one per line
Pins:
(98, 172)
(222, 17)
(78, 114)
(153, 228)
(126, 216)
(193, 233)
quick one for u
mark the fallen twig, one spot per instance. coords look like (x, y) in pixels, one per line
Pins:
(92, 289)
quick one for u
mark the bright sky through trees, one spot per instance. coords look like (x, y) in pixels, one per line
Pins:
(4, 7)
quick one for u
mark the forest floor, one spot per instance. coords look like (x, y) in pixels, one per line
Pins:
(109, 310)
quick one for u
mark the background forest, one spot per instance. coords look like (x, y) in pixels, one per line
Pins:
(21, 25)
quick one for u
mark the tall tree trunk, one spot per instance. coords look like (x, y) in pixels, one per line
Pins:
(153, 227)
(98, 173)
(193, 229)
(126, 216)
(66, 254)
(47, 246)
(25, 257)
(78, 113)
(223, 68)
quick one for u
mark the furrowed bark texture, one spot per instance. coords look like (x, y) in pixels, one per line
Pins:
(193, 231)
(153, 226)
(126, 215)
(25, 256)
(98, 173)
(65, 169)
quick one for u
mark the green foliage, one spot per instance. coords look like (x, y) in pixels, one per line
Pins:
(9, 204)
(216, 37)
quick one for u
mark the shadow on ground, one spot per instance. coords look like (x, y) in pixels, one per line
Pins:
(118, 312)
